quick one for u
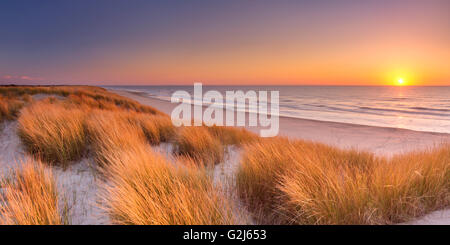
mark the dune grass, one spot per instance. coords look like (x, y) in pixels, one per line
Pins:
(118, 135)
(199, 144)
(232, 135)
(90, 96)
(30, 197)
(166, 130)
(156, 128)
(144, 189)
(412, 184)
(297, 182)
(9, 108)
(108, 132)
(52, 132)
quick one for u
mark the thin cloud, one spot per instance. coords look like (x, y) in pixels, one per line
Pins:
(16, 78)
(26, 78)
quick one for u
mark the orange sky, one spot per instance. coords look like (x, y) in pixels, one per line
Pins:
(351, 43)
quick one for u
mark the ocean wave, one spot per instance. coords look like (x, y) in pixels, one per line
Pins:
(404, 111)
(425, 109)
(348, 108)
(430, 109)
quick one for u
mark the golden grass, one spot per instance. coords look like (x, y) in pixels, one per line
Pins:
(93, 97)
(296, 182)
(9, 108)
(199, 144)
(411, 185)
(108, 132)
(156, 128)
(54, 129)
(167, 131)
(113, 131)
(52, 132)
(144, 189)
(30, 197)
(232, 135)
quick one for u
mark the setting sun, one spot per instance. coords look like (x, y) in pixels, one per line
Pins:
(400, 81)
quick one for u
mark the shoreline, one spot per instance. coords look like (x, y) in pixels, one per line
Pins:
(379, 140)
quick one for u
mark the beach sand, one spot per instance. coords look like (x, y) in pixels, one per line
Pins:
(379, 140)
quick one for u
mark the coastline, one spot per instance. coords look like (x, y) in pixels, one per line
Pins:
(379, 140)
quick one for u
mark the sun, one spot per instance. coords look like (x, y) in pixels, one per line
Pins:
(400, 81)
(400, 77)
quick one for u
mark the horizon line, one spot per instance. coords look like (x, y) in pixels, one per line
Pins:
(229, 85)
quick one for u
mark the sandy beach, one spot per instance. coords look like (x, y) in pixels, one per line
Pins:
(379, 140)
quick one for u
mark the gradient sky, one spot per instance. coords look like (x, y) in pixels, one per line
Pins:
(225, 42)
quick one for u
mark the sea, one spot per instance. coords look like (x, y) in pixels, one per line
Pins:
(409, 107)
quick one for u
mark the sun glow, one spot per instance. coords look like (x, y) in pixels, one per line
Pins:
(401, 77)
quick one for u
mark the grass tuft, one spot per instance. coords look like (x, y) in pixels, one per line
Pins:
(144, 189)
(52, 132)
(232, 135)
(298, 182)
(199, 144)
(9, 108)
(30, 197)
(109, 132)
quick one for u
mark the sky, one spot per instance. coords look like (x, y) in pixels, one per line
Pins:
(137, 42)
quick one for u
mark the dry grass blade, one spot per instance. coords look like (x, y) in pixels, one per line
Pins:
(144, 189)
(52, 132)
(198, 143)
(305, 183)
(30, 197)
